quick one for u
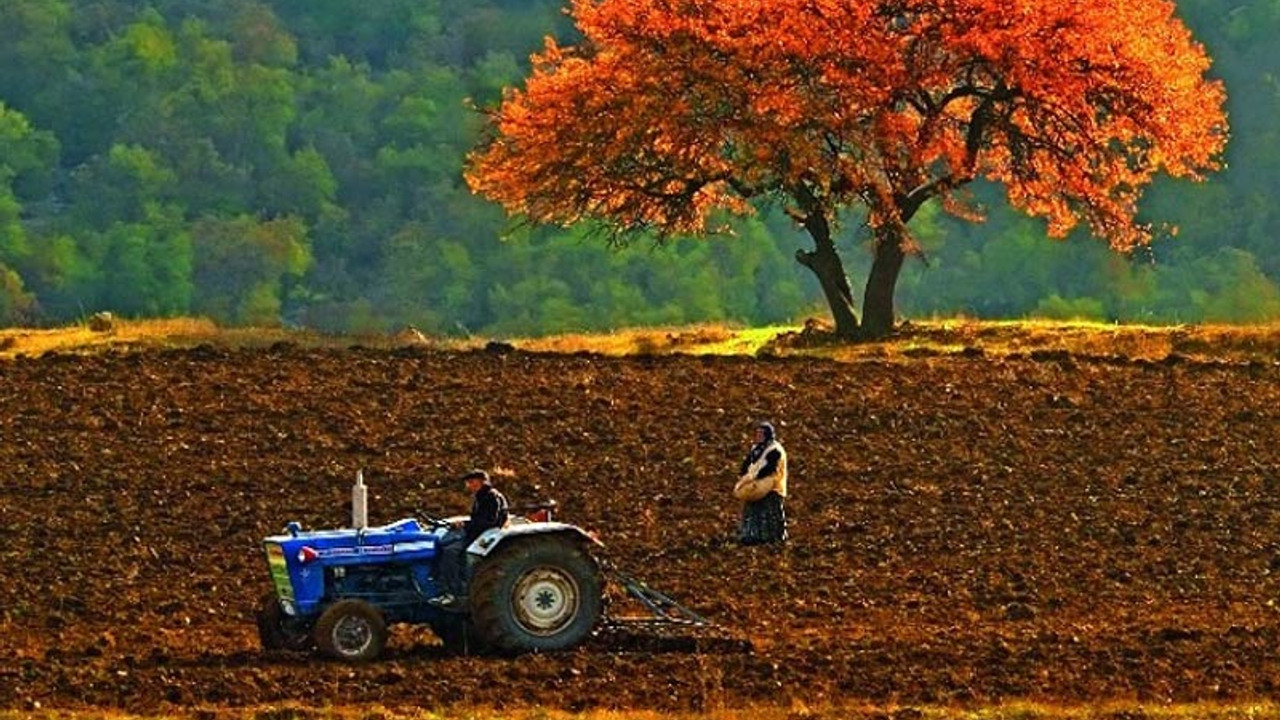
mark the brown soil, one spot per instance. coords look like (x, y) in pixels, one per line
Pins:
(964, 529)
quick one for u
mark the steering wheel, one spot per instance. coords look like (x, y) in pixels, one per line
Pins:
(431, 520)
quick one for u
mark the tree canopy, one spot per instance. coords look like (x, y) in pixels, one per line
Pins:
(671, 110)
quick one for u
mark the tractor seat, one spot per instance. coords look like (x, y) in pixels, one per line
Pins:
(541, 511)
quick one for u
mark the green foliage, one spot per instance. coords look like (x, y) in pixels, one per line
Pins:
(36, 55)
(1056, 307)
(121, 185)
(491, 74)
(13, 238)
(28, 157)
(144, 267)
(430, 283)
(16, 303)
(151, 45)
(241, 266)
(263, 161)
(63, 276)
(301, 184)
(1224, 287)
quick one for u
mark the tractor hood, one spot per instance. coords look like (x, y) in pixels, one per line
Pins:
(297, 558)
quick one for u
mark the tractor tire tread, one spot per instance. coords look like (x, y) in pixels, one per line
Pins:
(492, 582)
(329, 619)
(272, 633)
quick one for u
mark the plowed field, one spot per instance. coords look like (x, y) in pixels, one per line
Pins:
(965, 529)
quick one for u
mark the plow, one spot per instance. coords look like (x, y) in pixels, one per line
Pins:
(661, 623)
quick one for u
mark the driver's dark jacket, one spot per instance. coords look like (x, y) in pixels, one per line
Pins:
(488, 510)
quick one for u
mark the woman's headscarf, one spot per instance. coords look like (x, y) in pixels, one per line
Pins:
(769, 433)
(758, 449)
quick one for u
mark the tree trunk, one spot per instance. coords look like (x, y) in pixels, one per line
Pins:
(825, 263)
(877, 307)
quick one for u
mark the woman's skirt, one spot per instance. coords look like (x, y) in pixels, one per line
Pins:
(764, 521)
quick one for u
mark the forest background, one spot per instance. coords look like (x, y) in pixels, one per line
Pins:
(299, 162)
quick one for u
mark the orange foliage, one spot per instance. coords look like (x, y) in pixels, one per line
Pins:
(672, 109)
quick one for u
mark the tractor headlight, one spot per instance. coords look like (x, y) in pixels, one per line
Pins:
(288, 607)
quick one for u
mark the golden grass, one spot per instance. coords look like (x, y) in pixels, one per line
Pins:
(1023, 337)
(797, 711)
(937, 338)
(693, 340)
(127, 334)
(169, 332)
(930, 338)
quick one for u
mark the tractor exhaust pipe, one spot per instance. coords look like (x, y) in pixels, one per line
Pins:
(359, 503)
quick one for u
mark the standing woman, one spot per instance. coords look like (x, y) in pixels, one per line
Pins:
(762, 486)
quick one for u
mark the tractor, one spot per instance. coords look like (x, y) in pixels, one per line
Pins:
(534, 586)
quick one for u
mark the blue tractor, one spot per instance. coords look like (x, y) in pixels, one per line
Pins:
(534, 585)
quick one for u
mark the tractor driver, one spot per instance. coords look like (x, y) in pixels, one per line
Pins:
(488, 510)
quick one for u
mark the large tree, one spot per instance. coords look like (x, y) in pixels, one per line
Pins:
(670, 110)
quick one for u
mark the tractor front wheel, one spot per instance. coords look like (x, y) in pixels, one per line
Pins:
(352, 631)
(276, 630)
(537, 594)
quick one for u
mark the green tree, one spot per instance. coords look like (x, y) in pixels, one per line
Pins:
(1056, 307)
(28, 157)
(62, 275)
(430, 283)
(16, 304)
(243, 267)
(121, 186)
(1224, 287)
(300, 184)
(144, 268)
(14, 248)
(36, 53)
(378, 33)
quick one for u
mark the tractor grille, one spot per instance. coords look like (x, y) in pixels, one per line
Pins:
(279, 567)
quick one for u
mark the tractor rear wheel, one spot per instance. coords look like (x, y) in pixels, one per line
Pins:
(352, 631)
(536, 594)
(276, 630)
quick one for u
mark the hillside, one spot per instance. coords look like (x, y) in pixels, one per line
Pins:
(268, 161)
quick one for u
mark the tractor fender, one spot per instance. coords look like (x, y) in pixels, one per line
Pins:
(492, 538)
